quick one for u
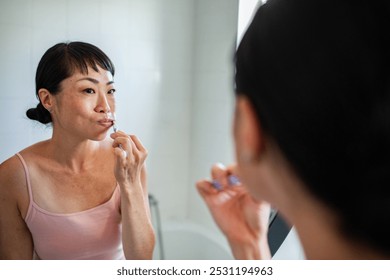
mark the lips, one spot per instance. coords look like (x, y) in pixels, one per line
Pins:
(106, 122)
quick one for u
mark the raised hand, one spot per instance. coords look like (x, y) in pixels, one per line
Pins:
(131, 155)
(243, 220)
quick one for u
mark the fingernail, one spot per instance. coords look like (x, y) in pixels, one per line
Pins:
(216, 184)
(233, 180)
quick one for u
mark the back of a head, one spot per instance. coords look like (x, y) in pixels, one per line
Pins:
(318, 74)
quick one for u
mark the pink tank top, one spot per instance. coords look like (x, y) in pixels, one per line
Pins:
(93, 234)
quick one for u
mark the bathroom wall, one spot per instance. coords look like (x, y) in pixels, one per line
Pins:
(218, 29)
(212, 100)
(173, 80)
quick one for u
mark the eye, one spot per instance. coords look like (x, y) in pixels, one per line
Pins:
(89, 91)
(111, 91)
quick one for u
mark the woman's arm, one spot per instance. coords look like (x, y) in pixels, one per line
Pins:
(137, 231)
(15, 238)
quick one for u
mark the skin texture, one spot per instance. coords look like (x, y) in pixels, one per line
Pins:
(241, 212)
(78, 168)
(233, 207)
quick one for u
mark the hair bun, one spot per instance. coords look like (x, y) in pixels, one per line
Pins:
(39, 114)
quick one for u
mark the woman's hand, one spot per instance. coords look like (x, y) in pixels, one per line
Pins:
(130, 155)
(137, 232)
(243, 220)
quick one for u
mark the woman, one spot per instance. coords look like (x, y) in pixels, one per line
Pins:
(311, 130)
(78, 195)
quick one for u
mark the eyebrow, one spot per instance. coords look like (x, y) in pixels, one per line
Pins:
(94, 80)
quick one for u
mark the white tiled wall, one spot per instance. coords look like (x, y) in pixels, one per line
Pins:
(212, 101)
(173, 76)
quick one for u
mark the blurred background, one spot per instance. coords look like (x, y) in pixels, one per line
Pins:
(174, 81)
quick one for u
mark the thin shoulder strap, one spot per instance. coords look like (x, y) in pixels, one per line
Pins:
(27, 176)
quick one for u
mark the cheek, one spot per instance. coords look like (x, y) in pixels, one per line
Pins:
(71, 108)
(111, 101)
(112, 104)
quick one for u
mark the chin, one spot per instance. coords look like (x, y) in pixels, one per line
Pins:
(99, 138)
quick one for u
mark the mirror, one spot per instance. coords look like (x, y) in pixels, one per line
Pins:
(174, 78)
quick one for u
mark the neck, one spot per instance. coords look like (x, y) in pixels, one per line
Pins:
(321, 237)
(76, 155)
(316, 224)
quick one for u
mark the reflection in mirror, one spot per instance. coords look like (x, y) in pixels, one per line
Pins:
(174, 81)
(173, 78)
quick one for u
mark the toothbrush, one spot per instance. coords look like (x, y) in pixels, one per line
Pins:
(111, 116)
(114, 127)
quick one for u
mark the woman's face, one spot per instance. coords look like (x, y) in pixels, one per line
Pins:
(83, 105)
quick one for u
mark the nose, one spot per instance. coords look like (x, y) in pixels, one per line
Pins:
(102, 105)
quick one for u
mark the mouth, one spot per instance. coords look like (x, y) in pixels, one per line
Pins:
(106, 122)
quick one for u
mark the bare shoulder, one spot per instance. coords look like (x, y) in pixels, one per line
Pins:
(11, 172)
(15, 237)
(14, 192)
(12, 175)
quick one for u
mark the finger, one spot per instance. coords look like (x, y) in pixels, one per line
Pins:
(234, 180)
(219, 174)
(121, 156)
(122, 139)
(234, 177)
(123, 144)
(118, 133)
(233, 169)
(138, 143)
(138, 148)
(205, 188)
(131, 144)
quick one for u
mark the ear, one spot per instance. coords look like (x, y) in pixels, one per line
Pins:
(46, 98)
(249, 138)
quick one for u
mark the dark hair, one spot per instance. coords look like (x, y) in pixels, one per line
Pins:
(60, 62)
(318, 76)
